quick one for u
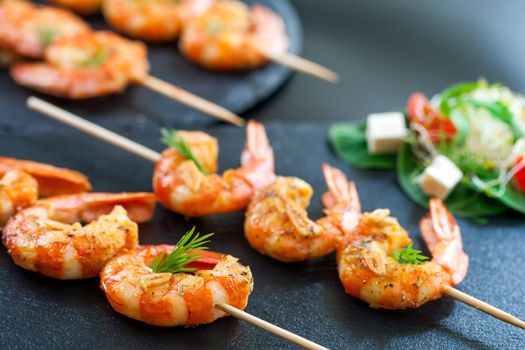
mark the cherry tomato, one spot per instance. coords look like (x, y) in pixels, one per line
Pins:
(207, 262)
(421, 112)
(519, 177)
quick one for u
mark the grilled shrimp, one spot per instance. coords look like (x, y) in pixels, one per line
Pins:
(18, 190)
(181, 299)
(369, 272)
(277, 223)
(51, 180)
(87, 65)
(153, 20)
(27, 29)
(228, 35)
(180, 185)
(48, 237)
(85, 7)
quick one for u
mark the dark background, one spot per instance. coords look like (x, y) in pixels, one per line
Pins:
(383, 50)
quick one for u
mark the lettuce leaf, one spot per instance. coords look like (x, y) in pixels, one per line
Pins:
(348, 140)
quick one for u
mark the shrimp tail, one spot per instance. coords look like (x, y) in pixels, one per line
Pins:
(257, 156)
(87, 207)
(342, 197)
(51, 180)
(443, 238)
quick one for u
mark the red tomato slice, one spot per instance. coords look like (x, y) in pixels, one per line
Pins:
(519, 177)
(421, 112)
(208, 260)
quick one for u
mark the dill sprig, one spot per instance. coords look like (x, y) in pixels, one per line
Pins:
(47, 36)
(172, 139)
(180, 256)
(96, 60)
(408, 255)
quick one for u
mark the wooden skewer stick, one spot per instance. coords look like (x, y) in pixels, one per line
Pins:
(483, 306)
(294, 338)
(90, 128)
(135, 148)
(189, 99)
(300, 64)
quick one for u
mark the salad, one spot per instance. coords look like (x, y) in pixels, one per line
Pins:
(477, 127)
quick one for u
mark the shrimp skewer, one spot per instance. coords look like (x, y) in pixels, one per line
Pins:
(277, 223)
(81, 63)
(100, 63)
(178, 183)
(219, 286)
(27, 29)
(232, 36)
(368, 270)
(48, 238)
(188, 299)
(183, 188)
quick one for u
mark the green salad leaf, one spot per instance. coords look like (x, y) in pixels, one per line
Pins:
(464, 201)
(512, 197)
(349, 143)
(462, 127)
(447, 96)
(498, 111)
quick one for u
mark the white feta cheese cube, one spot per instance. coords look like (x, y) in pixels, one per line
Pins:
(440, 177)
(385, 132)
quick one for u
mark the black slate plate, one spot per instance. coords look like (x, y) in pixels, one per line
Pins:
(235, 91)
(307, 298)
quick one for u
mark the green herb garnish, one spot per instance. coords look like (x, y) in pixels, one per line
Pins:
(214, 27)
(173, 140)
(180, 256)
(95, 61)
(408, 255)
(47, 36)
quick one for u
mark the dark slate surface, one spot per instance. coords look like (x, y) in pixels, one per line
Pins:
(307, 298)
(236, 91)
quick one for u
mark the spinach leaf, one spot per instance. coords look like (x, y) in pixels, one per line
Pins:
(349, 143)
(454, 91)
(464, 201)
(512, 197)
(462, 127)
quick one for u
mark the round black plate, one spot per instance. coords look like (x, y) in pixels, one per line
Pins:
(236, 91)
